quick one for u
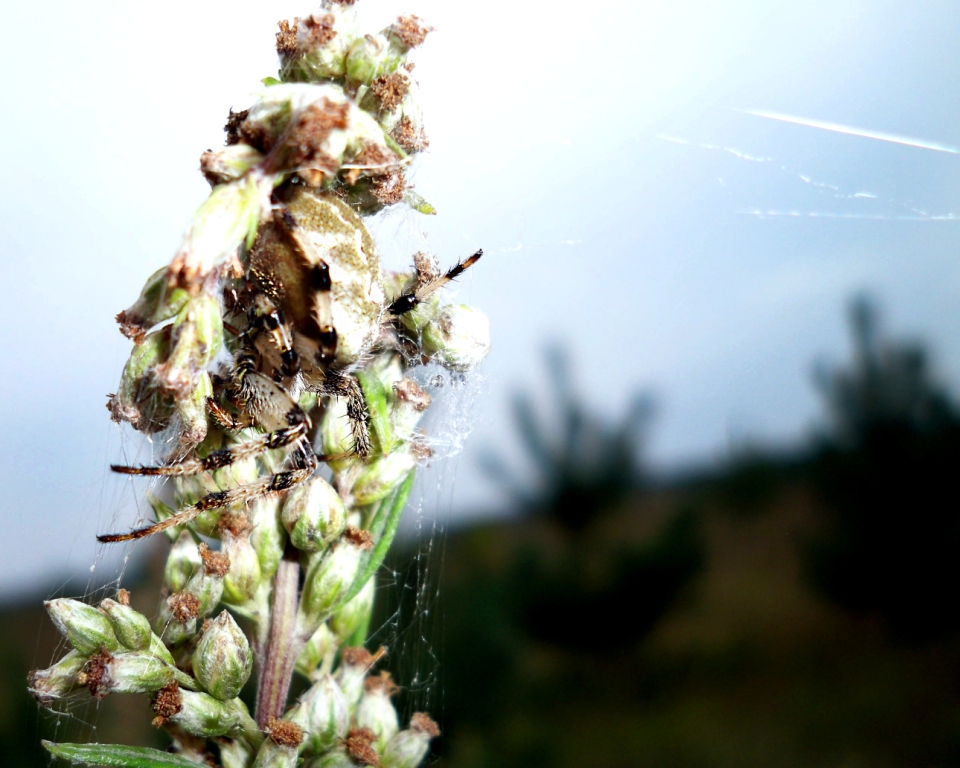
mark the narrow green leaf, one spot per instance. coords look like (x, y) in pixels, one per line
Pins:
(383, 528)
(418, 204)
(116, 756)
(268, 81)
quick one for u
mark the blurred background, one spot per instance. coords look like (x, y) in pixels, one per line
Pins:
(705, 514)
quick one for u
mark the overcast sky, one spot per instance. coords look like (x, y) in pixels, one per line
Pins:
(628, 206)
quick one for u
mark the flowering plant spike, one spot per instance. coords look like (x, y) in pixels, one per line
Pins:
(272, 344)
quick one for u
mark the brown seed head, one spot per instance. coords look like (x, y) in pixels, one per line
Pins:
(358, 745)
(236, 525)
(408, 137)
(319, 30)
(382, 683)
(166, 703)
(123, 597)
(358, 537)
(184, 606)
(214, 563)
(422, 723)
(232, 128)
(408, 391)
(93, 673)
(389, 189)
(287, 37)
(390, 89)
(411, 30)
(285, 733)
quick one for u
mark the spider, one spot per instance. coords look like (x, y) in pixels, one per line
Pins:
(313, 308)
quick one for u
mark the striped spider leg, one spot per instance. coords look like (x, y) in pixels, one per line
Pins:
(271, 408)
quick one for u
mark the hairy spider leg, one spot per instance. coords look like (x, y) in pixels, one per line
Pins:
(338, 384)
(411, 299)
(304, 462)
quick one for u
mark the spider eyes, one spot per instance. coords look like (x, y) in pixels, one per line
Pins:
(404, 304)
(320, 277)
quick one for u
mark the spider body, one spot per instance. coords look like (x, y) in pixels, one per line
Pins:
(309, 308)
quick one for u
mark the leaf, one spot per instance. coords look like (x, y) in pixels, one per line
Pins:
(116, 755)
(268, 81)
(418, 204)
(383, 528)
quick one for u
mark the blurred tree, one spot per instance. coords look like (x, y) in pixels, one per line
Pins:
(885, 469)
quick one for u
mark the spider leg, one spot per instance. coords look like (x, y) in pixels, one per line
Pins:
(304, 464)
(338, 384)
(411, 299)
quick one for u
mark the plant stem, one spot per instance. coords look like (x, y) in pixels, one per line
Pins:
(276, 671)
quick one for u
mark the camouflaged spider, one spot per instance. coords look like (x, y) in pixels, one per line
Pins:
(311, 306)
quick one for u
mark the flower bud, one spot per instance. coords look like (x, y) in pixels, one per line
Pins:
(370, 57)
(322, 643)
(222, 661)
(84, 627)
(273, 755)
(206, 584)
(267, 535)
(375, 710)
(47, 685)
(192, 410)
(229, 163)
(354, 614)
(334, 758)
(203, 715)
(355, 663)
(131, 627)
(225, 220)
(139, 399)
(182, 562)
(244, 577)
(408, 748)
(157, 302)
(313, 514)
(379, 478)
(331, 574)
(408, 404)
(129, 672)
(235, 753)
(315, 48)
(458, 337)
(197, 337)
(323, 714)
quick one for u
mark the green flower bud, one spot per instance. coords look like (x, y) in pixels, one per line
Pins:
(192, 410)
(354, 614)
(323, 714)
(229, 163)
(131, 627)
(203, 715)
(313, 514)
(408, 404)
(370, 57)
(267, 535)
(139, 400)
(355, 663)
(458, 337)
(379, 478)
(315, 48)
(408, 748)
(130, 672)
(197, 337)
(375, 710)
(227, 218)
(330, 575)
(222, 661)
(206, 584)
(84, 627)
(52, 683)
(235, 753)
(244, 577)
(321, 645)
(157, 302)
(182, 562)
(273, 755)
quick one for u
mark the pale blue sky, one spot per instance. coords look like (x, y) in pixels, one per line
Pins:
(593, 153)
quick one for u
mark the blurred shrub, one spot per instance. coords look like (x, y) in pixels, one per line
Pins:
(886, 470)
